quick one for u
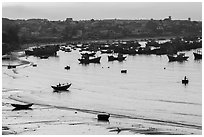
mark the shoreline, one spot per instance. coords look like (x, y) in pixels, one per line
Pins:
(48, 120)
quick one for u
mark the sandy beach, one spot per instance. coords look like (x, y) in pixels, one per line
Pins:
(48, 119)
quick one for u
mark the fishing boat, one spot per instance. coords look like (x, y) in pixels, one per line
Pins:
(103, 116)
(43, 50)
(44, 57)
(185, 81)
(22, 106)
(106, 51)
(61, 86)
(124, 71)
(86, 60)
(119, 58)
(67, 67)
(179, 57)
(11, 66)
(197, 55)
(89, 54)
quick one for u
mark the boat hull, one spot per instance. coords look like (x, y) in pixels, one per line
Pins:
(87, 61)
(172, 58)
(19, 106)
(65, 87)
(184, 81)
(197, 56)
(112, 58)
(103, 117)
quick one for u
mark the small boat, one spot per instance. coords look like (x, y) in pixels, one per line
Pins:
(106, 51)
(103, 116)
(44, 57)
(61, 86)
(119, 58)
(68, 50)
(34, 65)
(67, 67)
(185, 81)
(179, 57)
(197, 55)
(86, 60)
(124, 71)
(22, 106)
(88, 54)
(11, 66)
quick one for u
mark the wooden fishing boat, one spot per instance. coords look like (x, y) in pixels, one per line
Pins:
(67, 67)
(89, 54)
(179, 57)
(61, 86)
(124, 71)
(197, 55)
(22, 106)
(119, 58)
(87, 60)
(44, 57)
(185, 81)
(103, 116)
(11, 66)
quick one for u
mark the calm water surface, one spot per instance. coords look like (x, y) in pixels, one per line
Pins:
(147, 91)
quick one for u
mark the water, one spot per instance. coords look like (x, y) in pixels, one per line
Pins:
(147, 91)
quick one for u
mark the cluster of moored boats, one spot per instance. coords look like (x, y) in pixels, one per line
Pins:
(119, 48)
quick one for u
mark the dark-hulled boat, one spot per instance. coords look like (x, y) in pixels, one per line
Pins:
(67, 67)
(106, 51)
(179, 57)
(89, 54)
(43, 50)
(44, 57)
(11, 66)
(22, 106)
(103, 116)
(197, 55)
(185, 81)
(61, 86)
(124, 71)
(119, 58)
(87, 60)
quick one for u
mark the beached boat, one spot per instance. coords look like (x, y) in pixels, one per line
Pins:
(61, 86)
(22, 106)
(179, 57)
(103, 116)
(197, 55)
(86, 60)
(11, 66)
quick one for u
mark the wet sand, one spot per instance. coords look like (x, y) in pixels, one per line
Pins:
(45, 119)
